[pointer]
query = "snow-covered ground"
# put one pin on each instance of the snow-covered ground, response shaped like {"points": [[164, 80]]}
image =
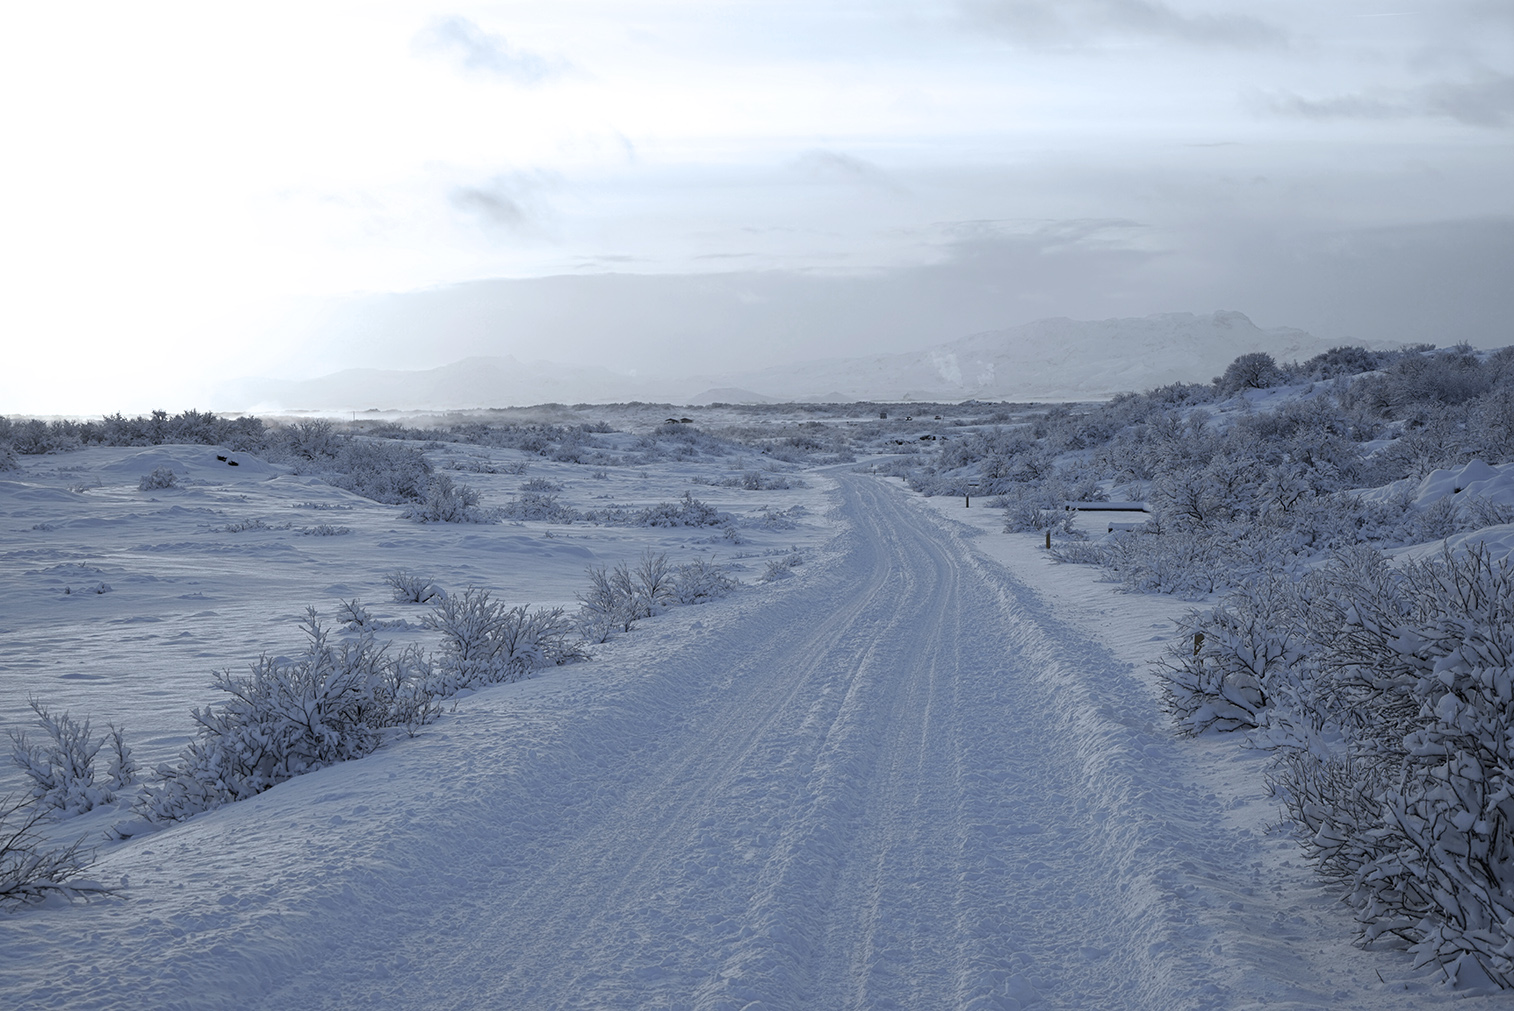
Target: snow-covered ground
{"points": [[928, 771], [215, 572]]}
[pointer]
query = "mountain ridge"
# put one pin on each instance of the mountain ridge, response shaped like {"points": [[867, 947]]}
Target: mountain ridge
{"points": [[1057, 358]]}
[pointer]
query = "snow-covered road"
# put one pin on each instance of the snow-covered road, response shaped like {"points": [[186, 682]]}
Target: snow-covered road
{"points": [[897, 781]]}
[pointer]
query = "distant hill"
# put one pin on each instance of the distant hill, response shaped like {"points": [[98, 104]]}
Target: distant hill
{"points": [[491, 381], [1050, 359]]}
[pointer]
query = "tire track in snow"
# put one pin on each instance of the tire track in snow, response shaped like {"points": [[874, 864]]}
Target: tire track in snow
{"points": [[898, 783], [886, 808]]}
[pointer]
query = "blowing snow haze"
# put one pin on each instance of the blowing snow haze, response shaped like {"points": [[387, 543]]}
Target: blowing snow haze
{"points": [[193, 195]]}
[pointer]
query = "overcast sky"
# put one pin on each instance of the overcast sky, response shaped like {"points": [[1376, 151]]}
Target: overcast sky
{"points": [[191, 191]]}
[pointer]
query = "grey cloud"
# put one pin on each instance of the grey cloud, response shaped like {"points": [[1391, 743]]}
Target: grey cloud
{"points": [[1442, 282], [507, 203], [965, 239], [477, 52], [491, 206], [1083, 22], [1485, 100], [820, 163], [1340, 107]]}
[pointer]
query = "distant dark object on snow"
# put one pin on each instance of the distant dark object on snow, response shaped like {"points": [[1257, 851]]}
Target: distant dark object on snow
{"points": [[1122, 507]]}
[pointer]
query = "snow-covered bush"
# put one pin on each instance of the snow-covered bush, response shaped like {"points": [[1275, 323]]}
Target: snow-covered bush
{"points": [[1389, 694], [161, 477], [310, 439], [409, 588], [8, 460], [62, 768], [652, 583], [383, 471], [354, 615], [1036, 507], [34, 437], [288, 717], [688, 512], [697, 581], [448, 501], [1154, 561], [1436, 659], [539, 505], [756, 480], [122, 772], [619, 597], [485, 642], [30, 871], [779, 519], [1232, 660], [782, 568], [1255, 370]]}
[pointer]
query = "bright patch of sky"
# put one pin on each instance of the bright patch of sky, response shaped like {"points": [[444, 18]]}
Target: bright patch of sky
{"points": [[176, 174]]}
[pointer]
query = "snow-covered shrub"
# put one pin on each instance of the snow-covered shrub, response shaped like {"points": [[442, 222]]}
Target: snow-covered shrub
{"points": [[1438, 520], [288, 717], [1255, 370], [1195, 499], [1484, 512], [697, 581], [539, 505], [655, 582], [62, 768], [609, 604], [1341, 361], [354, 615], [409, 588], [161, 477], [324, 530], [1398, 765], [1028, 508], [34, 437], [30, 871], [1448, 377], [485, 642], [1443, 869], [382, 471], [1177, 562], [122, 773], [780, 519], [782, 568], [1232, 660], [8, 459], [255, 523], [688, 512], [310, 439], [756, 480], [448, 501], [541, 486], [1080, 553]]}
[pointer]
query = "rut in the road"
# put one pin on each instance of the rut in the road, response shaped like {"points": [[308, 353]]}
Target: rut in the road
{"points": [[877, 795]]}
